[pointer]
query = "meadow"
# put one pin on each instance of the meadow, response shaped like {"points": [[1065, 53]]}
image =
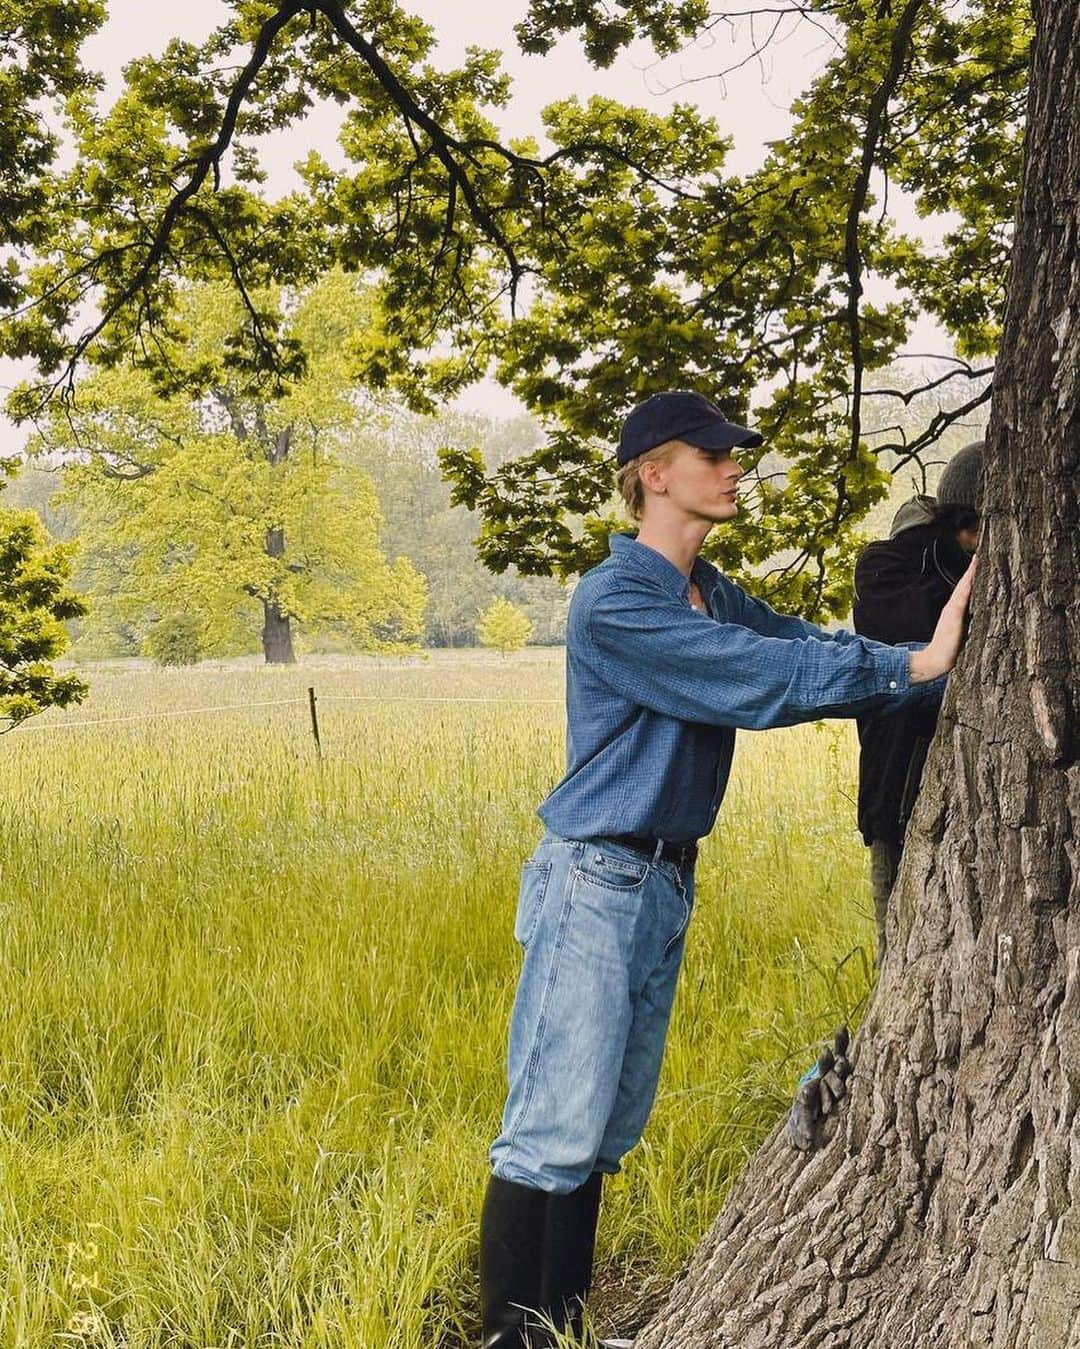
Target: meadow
{"points": [[255, 1001]]}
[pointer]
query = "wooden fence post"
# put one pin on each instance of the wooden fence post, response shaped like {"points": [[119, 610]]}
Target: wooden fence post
{"points": [[314, 720]]}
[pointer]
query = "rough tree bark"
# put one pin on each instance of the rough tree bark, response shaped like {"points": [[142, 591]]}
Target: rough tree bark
{"points": [[945, 1207], [277, 639]]}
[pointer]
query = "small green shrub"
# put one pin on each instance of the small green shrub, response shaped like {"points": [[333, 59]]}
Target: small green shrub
{"points": [[175, 639]]}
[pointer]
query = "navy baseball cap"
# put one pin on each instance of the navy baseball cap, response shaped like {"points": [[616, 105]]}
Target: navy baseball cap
{"points": [[679, 414]]}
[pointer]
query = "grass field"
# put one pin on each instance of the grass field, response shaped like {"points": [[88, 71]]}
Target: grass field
{"points": [[252, 1038]]}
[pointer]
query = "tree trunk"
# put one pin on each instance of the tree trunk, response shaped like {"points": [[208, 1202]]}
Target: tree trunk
{"points": [[277, 627], [277, 636], [944, 1209]]}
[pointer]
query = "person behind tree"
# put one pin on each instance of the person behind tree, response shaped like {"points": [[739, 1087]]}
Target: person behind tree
{"points": [[666, 658], [902, 583]]}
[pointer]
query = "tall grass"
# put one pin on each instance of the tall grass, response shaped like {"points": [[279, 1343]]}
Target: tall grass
{"points": [[253, 1036]]}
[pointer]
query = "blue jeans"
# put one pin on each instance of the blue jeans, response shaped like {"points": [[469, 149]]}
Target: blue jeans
{"points": [[602, 928]]}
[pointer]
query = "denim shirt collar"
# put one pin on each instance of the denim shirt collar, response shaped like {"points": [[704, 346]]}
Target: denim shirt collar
{"points": [[646, 561]]}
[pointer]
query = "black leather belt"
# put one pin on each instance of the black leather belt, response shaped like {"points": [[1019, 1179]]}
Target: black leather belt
{"points": [[682, 854]]}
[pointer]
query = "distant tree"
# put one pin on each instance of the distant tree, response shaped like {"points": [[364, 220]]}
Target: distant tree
{"points": [[36, 487], [236, 500], [503, 627], [398, 451]]}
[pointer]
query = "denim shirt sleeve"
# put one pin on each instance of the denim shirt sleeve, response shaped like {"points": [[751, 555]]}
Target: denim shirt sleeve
{"points": [[764, 619], [667, 656]]}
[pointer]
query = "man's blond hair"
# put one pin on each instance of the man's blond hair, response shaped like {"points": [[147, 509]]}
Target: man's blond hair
{"points": [[628, 478]]}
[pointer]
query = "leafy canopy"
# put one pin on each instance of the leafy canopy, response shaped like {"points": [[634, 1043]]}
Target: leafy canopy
{"points": [[219, 504], [754, 290], [35, 602], [649, 264]]}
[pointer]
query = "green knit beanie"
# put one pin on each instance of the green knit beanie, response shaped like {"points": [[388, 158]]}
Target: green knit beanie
{"points": [[961, 483]]}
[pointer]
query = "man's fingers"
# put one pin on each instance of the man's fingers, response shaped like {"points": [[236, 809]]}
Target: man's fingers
{"points": [[962, 590]]}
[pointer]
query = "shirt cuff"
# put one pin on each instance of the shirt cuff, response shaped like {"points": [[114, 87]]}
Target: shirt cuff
{"points": [[895, 670]]}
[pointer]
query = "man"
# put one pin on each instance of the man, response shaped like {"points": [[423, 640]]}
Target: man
{"points": [[901, 586], [666, 658]]}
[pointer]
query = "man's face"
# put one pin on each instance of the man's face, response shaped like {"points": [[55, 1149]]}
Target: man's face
{"points": [[702, 483]]}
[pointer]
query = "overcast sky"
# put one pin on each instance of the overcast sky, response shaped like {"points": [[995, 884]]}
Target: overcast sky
{"points": [[750, 104]]}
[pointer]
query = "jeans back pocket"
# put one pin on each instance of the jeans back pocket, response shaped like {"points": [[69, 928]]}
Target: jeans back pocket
{"points": [[531, 891]]}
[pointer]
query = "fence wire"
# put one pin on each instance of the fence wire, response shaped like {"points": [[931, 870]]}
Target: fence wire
{"points": [[279, 702]]}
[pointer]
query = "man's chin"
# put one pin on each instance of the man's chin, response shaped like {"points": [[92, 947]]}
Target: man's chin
{"points": [[717, 515]]}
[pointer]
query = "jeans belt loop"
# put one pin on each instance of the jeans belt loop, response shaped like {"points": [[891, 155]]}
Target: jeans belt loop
{"points": [[658, 850]]}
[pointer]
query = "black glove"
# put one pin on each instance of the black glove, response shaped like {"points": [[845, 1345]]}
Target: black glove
{"points": [[820, 1093]]}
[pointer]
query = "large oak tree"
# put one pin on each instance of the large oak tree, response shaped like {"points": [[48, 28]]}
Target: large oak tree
{"points": [[238, 503], [945, 1207]]}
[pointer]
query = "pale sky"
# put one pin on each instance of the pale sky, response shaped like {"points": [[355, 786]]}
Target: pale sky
{"points": [[750, 104]]}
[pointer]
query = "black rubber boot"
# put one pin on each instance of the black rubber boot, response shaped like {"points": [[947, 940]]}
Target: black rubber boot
{"points": [[569, 1239], [512, 1225]]}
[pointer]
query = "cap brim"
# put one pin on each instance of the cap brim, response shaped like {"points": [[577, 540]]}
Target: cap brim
{"points": [[721, 435]]}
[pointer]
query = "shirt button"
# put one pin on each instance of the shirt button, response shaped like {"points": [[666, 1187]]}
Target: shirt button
{"points": [[892, 683]]}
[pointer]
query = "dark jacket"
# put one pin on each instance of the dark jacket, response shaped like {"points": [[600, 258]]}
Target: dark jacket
{"points": [[901, 586]]}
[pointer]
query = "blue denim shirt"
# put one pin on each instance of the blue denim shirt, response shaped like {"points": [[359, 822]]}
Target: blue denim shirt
{"points": [[655, 690]]}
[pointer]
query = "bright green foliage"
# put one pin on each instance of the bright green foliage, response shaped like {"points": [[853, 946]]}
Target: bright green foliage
{"points": [[150, 205], [750, 290], [503, 627], [39, 63], [649, 264], [605, 28], [34, 603], [236, 505], [175, 639]]}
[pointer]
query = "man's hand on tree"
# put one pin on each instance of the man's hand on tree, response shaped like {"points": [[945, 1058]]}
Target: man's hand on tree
{"points": [[820, 1093], [939, 655]]}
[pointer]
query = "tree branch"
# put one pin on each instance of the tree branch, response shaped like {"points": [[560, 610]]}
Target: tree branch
{"points": [[203, 163], [909, 395], [875, 125], [938, 425]]}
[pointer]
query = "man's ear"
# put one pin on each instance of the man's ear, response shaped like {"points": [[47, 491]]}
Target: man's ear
{"points": [[652, 476]]}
